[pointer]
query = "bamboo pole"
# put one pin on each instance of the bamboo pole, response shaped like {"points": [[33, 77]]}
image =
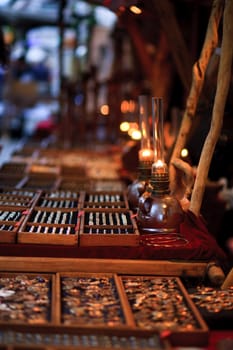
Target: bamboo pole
{"points": [[199, 69], [223, 83]]}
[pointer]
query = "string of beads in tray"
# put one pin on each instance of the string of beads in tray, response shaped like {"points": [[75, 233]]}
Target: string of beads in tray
{"points": [[18, 192], [14, 201], [46, 221], [61, 194], [114, 222], [104, 201], [58, 203], [10, 215]]}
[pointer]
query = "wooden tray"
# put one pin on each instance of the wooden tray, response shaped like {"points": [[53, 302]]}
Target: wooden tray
{"points": [[14, 168], [16, 198], [39, 227], [99, 303], [108, 185], [10, 226], [41, 182], [104, 199], [57, 200], [29, 298], [11, 180], [73, 183], [60, 338], [108, 227]]}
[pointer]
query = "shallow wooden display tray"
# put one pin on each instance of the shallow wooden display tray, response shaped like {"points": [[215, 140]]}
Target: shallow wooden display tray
{"points": [[10, 225], [52, 337], [29, 298], [58, 200], [107, 185], [14, 168], [108, 227], [75, 183], [73, 170], [104, 199], [47, 229], [12, 180], [43, 169], [16, 198], [40, 182], [100, 294]]}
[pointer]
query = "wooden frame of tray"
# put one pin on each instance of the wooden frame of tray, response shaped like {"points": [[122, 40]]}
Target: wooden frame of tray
{"points": [[51, 294], [49, 233], [107, 204], [53, 197], [193, 337], [10, 235], [108, 234], [14, 198]]}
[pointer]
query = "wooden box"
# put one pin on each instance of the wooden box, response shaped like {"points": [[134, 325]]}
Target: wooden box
{"points": [[100, 304], [148, 303], [104, 199], [41, 182], [29, 298], [14, 168], [59, 199], [162, 303], [108, 227], [50, 226], [37, 337], [43, 169], [16, 198], [11, 180], [10, 222], [73, 183], [73, 170], [108, 185]]}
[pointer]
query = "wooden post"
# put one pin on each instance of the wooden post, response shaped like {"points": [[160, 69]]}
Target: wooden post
{"points": [[159, 69], [223, 83], [178, 48], [199, 68]]}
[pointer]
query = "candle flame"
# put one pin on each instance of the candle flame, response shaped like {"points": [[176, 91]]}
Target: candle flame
{"points": [[146, 154], [159, 167]]}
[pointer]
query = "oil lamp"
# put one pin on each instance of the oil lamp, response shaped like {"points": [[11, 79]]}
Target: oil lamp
{"points": [[145, 155], [158, 211]]}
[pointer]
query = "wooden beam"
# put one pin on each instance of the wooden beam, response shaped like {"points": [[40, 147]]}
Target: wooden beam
{"points": [[120, 266], [179, 51]]}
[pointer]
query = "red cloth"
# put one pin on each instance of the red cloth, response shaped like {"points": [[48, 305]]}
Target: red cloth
{"points": [[203, 243], [201, 246], [217, 339]]}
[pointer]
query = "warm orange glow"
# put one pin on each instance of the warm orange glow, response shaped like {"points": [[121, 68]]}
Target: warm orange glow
{"points": [[132, 106], [159, 167], [135, 9], [124, 127], [146, 154], [135, 134], [184, 153], [104, 110], [128, 106], [124, 106]]}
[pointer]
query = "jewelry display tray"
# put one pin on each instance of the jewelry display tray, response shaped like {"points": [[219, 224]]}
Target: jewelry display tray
{"points": [[60, 217], [93, 305]]}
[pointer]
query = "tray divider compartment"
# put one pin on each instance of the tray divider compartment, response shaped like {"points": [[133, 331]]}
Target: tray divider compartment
{"points": [[124, 302]]}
